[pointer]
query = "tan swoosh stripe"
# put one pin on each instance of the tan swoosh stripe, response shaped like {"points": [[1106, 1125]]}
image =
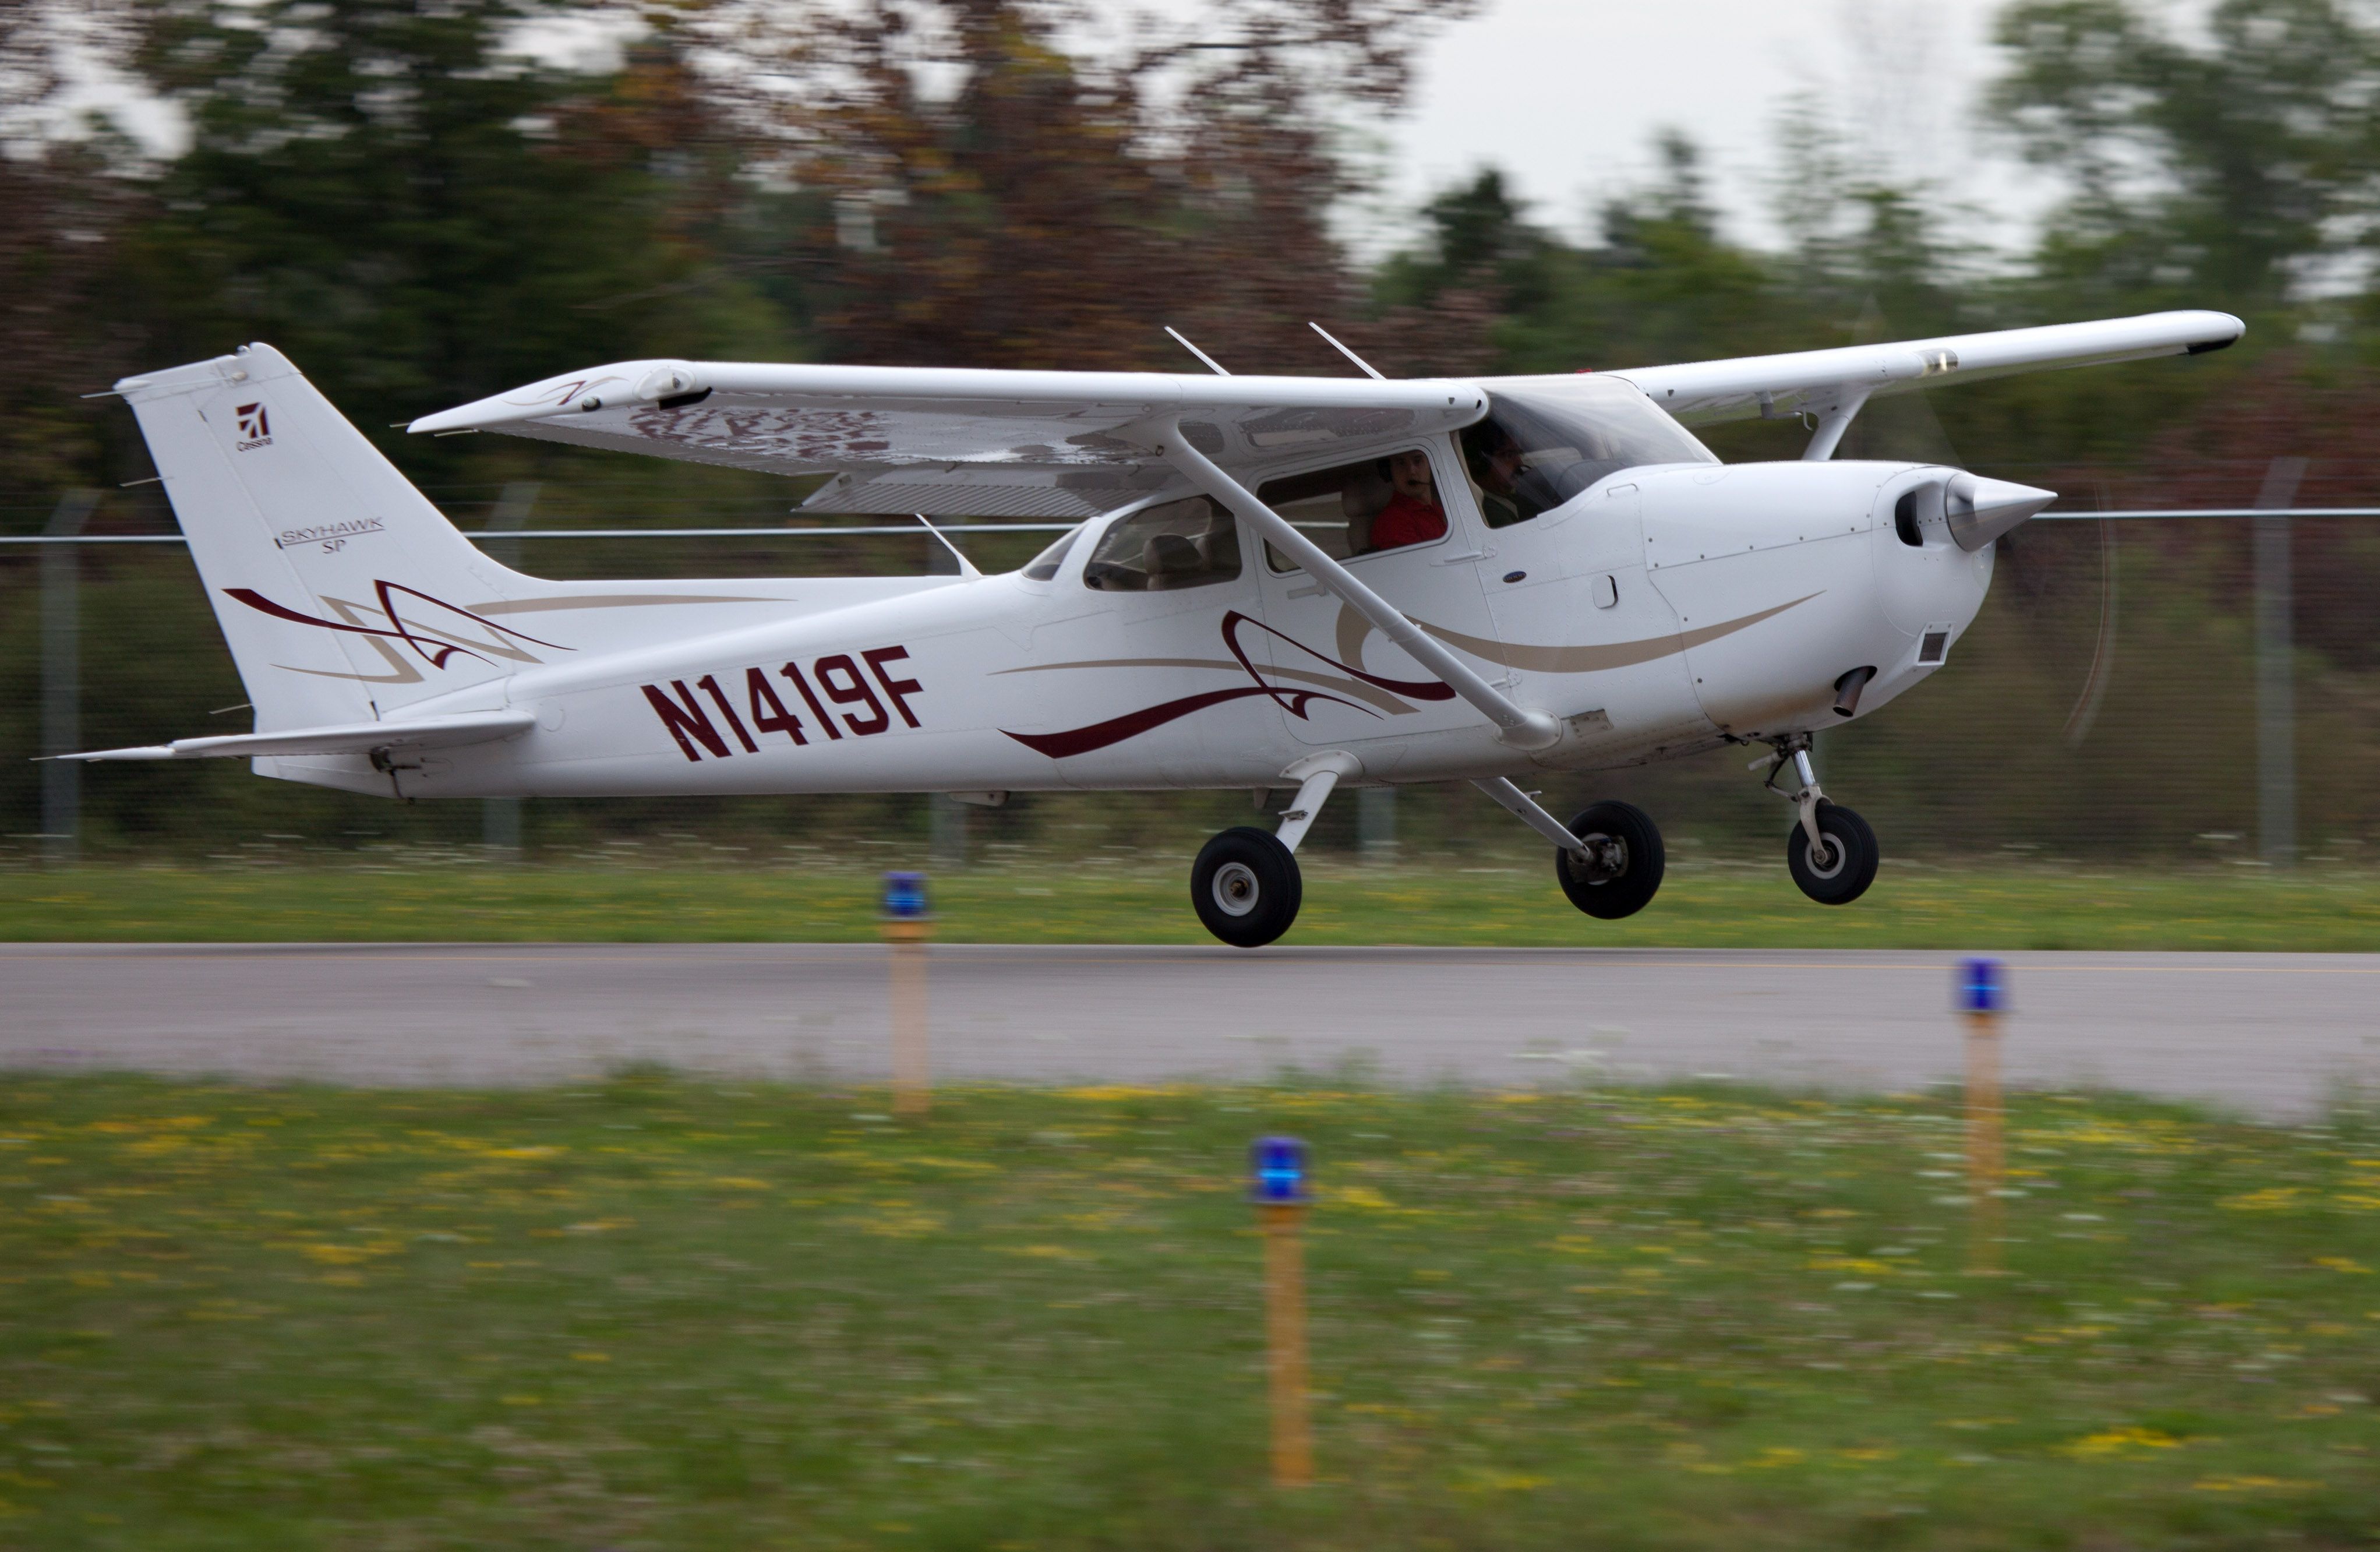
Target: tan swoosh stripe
{"points": [[1617, 654], [1370, 694], [611, 600]]}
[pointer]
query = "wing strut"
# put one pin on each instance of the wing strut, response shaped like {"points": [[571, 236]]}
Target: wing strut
{"points": [[1833, 423], [1520, 727]]}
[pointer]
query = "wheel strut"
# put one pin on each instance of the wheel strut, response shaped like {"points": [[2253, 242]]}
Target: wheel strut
{"points": [[1795, 751]]}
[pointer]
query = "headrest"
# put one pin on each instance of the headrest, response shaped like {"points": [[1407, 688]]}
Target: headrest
{"points": [[1365, 495], [1168, 554]]}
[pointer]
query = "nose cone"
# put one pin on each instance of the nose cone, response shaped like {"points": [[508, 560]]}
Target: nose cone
{"points": [[1980, 509]]}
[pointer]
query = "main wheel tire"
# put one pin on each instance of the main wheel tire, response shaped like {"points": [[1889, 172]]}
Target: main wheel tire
{"points": [[1629, 862], [1844, 875], [1246, 887]]}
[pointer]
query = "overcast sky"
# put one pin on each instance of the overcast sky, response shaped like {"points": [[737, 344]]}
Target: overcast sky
{"points": [[1566, 95]]}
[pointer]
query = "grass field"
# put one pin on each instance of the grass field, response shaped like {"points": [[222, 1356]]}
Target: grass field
{"points": [[656, 1313], [1102, 900]]}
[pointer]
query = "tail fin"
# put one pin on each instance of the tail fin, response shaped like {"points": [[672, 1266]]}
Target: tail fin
{"points": [[342, 591]]}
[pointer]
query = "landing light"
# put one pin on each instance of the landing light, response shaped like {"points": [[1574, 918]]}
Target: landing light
{"points": [[1982, 987], [904, 896], [1277, 1171]]}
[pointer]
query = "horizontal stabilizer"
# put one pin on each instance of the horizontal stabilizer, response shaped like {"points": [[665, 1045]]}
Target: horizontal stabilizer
{"points": [[424, 732]]}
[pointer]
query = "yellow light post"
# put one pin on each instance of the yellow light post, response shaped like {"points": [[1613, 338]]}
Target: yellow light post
{"points": [[1983, 996], [1278, 1188], [908, 925]]}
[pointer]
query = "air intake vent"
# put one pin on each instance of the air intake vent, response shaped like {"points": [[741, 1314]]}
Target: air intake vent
{"points": [[1933, 649], [1904, 519]]}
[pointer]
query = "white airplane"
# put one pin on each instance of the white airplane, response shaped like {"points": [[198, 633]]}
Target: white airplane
{"points": [[1278, 583]]}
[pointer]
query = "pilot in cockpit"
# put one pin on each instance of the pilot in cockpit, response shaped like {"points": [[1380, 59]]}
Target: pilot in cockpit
{"points": [[1413, 514], [1495, 458]]}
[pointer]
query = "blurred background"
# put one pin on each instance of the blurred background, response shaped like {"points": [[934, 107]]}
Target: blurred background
{"points": [[424, 204]]}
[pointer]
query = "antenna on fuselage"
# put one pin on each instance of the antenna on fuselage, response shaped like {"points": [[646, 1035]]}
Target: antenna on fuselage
{"points": [[1212, 364], [1376, 376], [966, 567]]}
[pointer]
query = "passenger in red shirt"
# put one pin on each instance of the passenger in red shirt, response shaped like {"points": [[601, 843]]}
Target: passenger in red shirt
{"points": [[1413, 514]]}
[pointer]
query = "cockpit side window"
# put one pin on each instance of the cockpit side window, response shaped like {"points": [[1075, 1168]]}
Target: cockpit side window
{"points": [[1541, 445], [1186, 543], [1361, 508]]}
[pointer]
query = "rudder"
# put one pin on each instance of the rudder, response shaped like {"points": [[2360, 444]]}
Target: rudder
{"points": [[342, 591]]}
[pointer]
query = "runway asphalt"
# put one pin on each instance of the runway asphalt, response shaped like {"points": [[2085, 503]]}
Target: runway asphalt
{"points": [[2274, 1035]]}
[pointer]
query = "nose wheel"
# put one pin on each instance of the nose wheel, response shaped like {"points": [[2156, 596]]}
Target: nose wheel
{"points": [[1830, 851], [1836, 869]]}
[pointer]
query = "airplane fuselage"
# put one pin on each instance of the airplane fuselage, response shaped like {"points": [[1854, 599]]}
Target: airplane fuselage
{"points": [[1660, 611]]}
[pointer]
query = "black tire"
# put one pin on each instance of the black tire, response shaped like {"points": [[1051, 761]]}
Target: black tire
{"points": [[1627, 838], [1844, 877], [1246, 887]]}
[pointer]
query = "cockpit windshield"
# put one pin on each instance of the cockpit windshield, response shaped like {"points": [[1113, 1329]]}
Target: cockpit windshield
{"points": [[1542, 445]]}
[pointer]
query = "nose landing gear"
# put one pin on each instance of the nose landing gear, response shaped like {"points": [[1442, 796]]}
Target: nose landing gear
{"points": [[1830, 851]]}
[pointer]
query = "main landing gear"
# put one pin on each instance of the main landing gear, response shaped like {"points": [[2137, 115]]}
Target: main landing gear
{"points": [[1618, 865], [1830, 851], [1245, 886]]}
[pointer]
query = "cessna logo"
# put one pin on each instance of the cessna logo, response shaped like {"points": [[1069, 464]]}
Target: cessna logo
{"points": [[255, 431]]}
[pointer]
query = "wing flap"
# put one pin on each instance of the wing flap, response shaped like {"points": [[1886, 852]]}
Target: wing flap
{"points": [[423, 733]]}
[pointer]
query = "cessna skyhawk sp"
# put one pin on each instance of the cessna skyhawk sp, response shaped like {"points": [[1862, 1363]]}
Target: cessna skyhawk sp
{"points": [[1277, 583]]}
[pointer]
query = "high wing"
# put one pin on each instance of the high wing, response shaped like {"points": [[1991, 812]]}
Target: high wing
{"points": [[1769, 386], [947, 441]]}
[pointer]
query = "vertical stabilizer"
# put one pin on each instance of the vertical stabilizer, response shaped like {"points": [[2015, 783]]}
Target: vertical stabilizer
{"points": [[342, 591]]}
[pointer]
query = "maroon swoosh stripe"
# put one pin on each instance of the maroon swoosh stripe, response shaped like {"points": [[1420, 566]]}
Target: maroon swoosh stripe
{"points": [[1115, 729], [387, 591]]}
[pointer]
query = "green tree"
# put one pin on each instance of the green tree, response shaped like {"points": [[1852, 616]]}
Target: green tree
{"points": [[2208, 171], [978, 192], [418, 208]]}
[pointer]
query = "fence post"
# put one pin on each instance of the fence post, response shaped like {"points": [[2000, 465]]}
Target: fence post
{"points": [[1376, 823], [2276, 723], [946, 817], [500, 817], [62, 679]]}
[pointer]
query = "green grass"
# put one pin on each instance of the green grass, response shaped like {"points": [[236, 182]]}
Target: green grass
{"points": [[656, 1313], [1911, 905]]}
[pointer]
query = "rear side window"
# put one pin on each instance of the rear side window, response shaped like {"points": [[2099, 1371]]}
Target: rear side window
{"points": [[1361, 508], [1044, 566], [1186, 543]]}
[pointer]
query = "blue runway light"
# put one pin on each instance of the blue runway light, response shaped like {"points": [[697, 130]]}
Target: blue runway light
{"points": [[904, 895], [1982, 987], [1277, 1171]]}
